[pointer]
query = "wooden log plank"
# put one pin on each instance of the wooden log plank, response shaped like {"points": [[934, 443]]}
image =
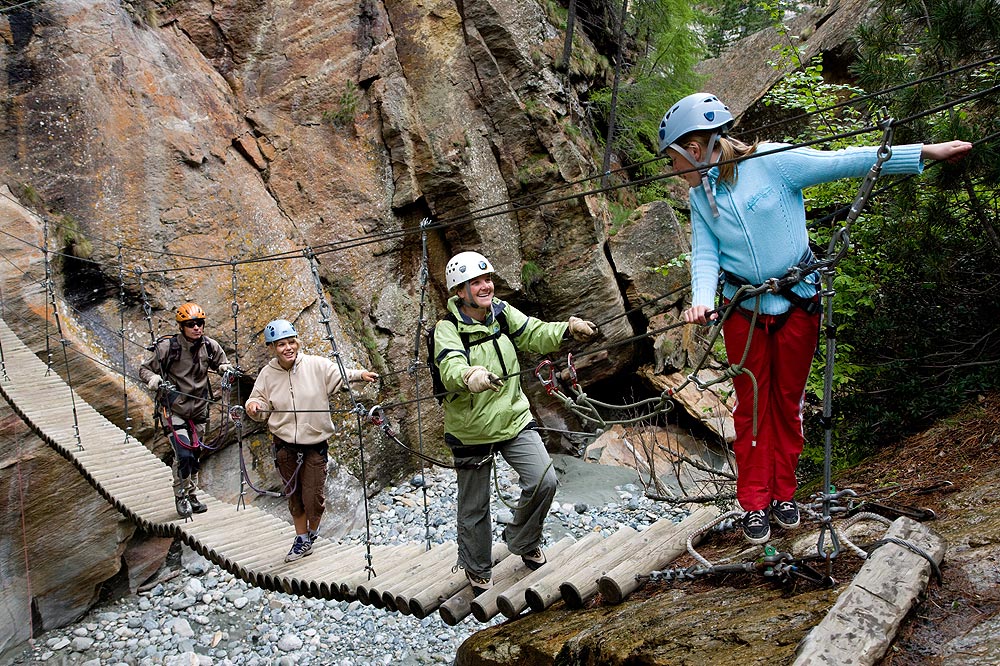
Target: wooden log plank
{"points": [[426, 601], [621, 581], [862, 623], [508, 571], [400, 578], [547, 591], [512, 600]]}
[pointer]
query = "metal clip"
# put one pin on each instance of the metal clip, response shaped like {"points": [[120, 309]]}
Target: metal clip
{"points": [[571, 372], [550, 383]]}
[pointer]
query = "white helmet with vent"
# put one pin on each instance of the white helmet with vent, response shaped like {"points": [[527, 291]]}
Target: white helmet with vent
{"points": [[465, 266]]}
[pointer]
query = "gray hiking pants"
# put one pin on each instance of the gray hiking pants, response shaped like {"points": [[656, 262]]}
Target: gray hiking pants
{"points": [[526, 454]]}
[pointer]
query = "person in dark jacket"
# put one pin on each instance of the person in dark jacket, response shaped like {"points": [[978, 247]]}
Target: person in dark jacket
{"points": [[183, 360]]}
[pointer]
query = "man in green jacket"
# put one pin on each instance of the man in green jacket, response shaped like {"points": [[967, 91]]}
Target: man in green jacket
{"points": [[486, 411]]}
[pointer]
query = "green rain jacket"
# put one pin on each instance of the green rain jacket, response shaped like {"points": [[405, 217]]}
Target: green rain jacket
{"points": [[489, 417]]}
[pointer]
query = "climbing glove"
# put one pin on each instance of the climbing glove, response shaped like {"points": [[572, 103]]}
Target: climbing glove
{"points": [[224, 368], [478, 379], [582, 330], [154, 382]]}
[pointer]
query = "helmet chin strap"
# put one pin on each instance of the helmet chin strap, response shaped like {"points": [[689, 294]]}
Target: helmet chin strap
{"points": [[703, 167]]}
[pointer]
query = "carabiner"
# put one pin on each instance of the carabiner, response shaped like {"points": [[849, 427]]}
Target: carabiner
{"points": [[571, 372], [550, 383], [376, 415]]}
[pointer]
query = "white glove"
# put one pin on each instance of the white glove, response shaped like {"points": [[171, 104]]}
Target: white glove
{"points": [[154, 382], [581, 329], [224, 368], [478, 379]]}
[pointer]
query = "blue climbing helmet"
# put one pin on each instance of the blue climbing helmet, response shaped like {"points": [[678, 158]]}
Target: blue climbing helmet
{"points": [[700, 111], [279, 329]]}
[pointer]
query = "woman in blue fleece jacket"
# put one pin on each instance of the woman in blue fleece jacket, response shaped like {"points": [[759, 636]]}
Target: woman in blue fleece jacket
{"points": [[748, 220]]}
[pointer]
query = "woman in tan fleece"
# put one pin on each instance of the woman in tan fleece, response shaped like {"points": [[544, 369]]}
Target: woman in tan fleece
{"points": [[292, 395]]}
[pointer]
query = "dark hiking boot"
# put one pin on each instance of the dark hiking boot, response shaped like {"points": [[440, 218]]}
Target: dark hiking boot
{"points": [[786, 514], [183, 506], [755, 526], [478, 583], [196, 505], [534, 559], [301, 547]]}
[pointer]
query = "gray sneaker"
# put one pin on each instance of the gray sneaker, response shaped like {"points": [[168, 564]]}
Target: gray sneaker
{"points": [[301, 547]]}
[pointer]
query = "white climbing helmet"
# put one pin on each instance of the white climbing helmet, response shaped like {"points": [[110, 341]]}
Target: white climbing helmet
{"points": [[700, 111], [465, 266], [279, 329]]}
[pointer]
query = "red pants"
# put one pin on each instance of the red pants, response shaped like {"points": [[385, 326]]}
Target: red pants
{"points": [[779, 358]]}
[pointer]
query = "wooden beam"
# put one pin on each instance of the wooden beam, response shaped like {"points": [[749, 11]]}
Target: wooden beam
{"points": [[865, 618]]}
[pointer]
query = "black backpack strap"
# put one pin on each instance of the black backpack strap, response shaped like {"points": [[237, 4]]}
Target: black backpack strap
{"points": [[173, 353]]}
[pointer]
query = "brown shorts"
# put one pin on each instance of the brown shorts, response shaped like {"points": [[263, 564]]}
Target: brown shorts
{"points": [[306, 491]]}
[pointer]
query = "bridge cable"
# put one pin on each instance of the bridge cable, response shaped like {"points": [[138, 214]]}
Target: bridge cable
{"points": [[421, 323], [51, 292], [359, 410], [121, 332]]}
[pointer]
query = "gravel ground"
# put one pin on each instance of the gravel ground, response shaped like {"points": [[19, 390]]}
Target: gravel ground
{"points": [[202, 615]]}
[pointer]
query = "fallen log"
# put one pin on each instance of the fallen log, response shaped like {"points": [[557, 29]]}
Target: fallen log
{"points": [[862, 623]]}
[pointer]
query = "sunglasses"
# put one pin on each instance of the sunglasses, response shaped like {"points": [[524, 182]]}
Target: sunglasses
{"points": [[191, 323]]}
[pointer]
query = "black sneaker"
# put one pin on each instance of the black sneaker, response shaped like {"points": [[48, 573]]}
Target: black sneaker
{"points": [[755, 526], [786, 514], [534, 560], [478, 583], [301, 547], [196, 505]]}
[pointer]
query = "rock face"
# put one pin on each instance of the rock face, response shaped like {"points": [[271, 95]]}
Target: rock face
{"points": [[44, 586]]}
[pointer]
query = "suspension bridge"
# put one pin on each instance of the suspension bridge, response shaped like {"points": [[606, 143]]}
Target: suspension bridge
{"points": [[251, 544]]}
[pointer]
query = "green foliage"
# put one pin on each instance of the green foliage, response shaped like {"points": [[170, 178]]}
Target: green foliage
{"points": [[930, 249], [537, 169], [532, 276], [654, 191], [345, 106], [679, 261], [913, 296], [725, 21], [619, 216], [30, 194], [909, 302], [659, 72], [340, 287], [74, 241]]}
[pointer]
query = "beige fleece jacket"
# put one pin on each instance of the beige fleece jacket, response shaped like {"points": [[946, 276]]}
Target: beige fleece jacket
{"points": [[296, 402]]}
